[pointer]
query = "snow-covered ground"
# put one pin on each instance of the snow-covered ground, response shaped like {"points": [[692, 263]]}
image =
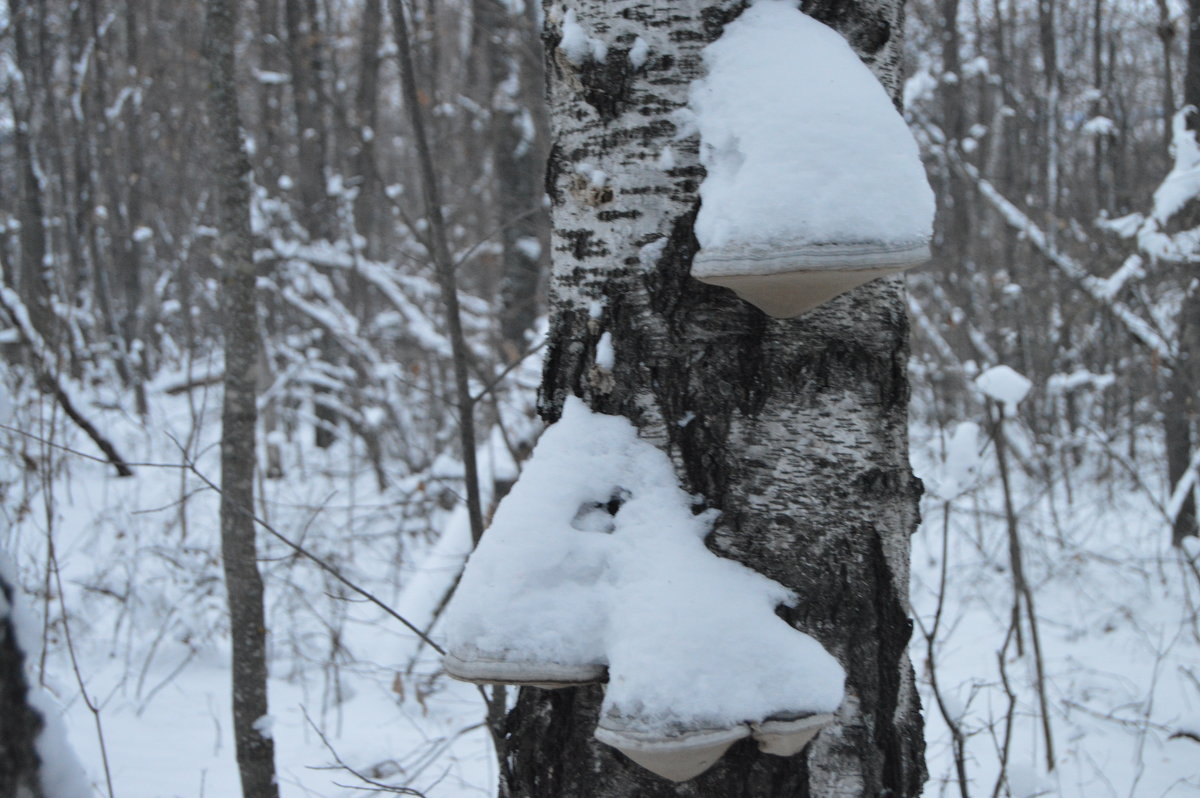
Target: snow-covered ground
{"points": [[1117, 613]]}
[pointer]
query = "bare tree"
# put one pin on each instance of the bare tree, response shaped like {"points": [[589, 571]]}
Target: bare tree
{"points": [[243, 583]]}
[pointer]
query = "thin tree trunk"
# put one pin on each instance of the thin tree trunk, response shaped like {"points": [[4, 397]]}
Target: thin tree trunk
{"points": [[133, 245], [243, 583], [366, 106], [316, 212], [795, 430], [1166, 35], [270, 93], [1179, 413], [439, 248], [32, 282], [1047, 13]]}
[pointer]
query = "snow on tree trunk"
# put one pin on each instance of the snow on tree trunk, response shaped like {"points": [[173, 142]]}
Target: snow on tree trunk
{"points": [[795, 430]]}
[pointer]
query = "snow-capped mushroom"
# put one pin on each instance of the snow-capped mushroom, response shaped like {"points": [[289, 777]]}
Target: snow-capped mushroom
{"points": [[677, 757], [814, 184], [531, 607], [788, 736]]}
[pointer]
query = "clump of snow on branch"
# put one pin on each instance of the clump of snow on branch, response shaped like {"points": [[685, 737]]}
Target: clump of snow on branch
{"points": [[801, 142], [639, 53], [1004, 385], [1099, 126]]}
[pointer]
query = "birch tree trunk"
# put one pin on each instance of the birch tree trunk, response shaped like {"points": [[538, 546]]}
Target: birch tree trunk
{"points": [[243, 583], [20, 724], [795, 430]]}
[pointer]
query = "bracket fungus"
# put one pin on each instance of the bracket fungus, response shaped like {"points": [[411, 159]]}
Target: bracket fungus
{"points": [[814, 183], [532, 603], [595, 568]]}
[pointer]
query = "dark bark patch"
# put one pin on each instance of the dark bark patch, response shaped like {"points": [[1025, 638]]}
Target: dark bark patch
{"points": [[606, 83], [613, 215], [715, 18], [555, 166], [20, 724], [582, 244]]}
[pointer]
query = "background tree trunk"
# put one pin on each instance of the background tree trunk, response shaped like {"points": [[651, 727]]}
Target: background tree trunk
{"points": [[517, 150], [795, 430], [243, 583], [1179, 407]]}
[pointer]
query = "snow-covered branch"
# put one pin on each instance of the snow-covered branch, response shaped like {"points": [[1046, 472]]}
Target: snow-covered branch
{"points": [[1093, 286]]}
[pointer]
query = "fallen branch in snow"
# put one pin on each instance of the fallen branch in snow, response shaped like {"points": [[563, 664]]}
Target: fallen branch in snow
{"points": [[12, 305]]}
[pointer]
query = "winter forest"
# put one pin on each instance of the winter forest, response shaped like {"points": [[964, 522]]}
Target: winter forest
{"points": [[376, 415]]}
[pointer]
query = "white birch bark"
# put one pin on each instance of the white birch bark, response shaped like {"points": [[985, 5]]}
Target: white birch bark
{"points": [[795, 430]]}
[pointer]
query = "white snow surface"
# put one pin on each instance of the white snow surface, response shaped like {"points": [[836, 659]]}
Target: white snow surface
{"points": [[1005, 385], [802, 144], [605, 356], [960, 470], [691, 639]]}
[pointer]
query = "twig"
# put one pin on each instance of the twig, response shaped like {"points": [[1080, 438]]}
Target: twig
{"points": [[1002, 776], [377, 785], [958, 742], [87, 699], [1021, 589], [324, 566], [188, 465]]}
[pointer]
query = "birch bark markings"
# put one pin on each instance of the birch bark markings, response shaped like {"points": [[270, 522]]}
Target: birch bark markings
{"points": [[20, 724], [243, 583], [795, 430]]}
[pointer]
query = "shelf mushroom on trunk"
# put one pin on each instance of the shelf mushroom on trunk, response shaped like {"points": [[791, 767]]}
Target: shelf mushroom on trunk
{"points": [[815, 184], [595, 570]]}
